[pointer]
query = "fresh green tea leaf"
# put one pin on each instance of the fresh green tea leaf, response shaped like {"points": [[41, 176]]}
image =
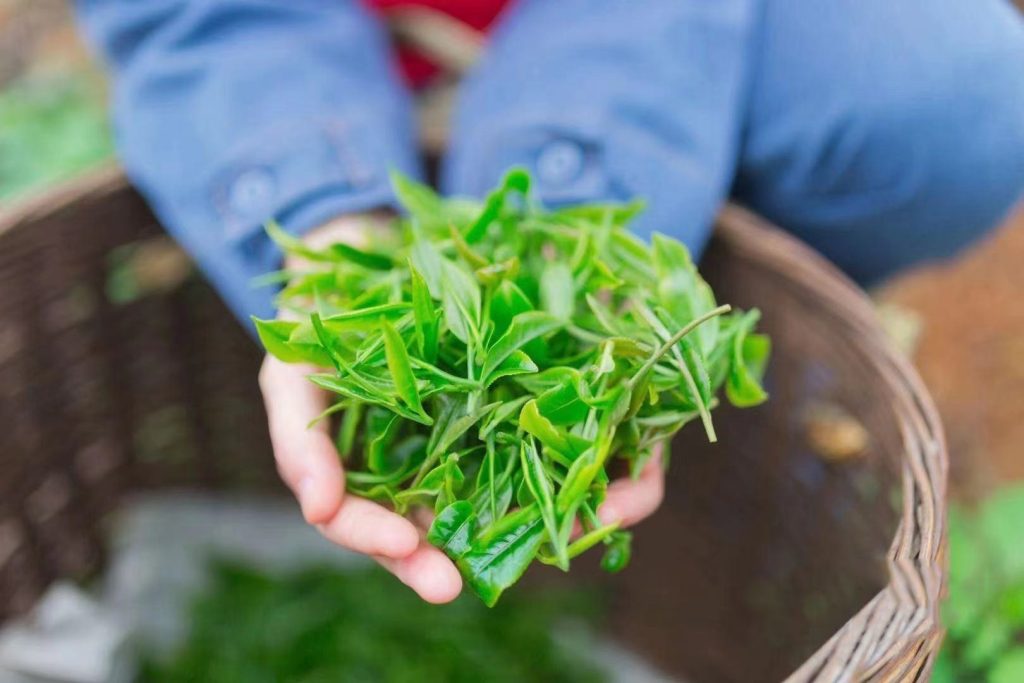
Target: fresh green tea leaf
{"points": [[516, 364], [425, 315], [538, 482], [290, 244], [501, 414], [453, 529], [557, 290], [531, 421], [591, 539], [470, 378], [681, 290], [275, 335], [461, 300], [381, 428], [524, 328], [562, 404], [401, 371], [366, 259], [750, 356], [427, 260], [501, 554], [507, 302], [516, 180], [419, 200], [618, 553]]}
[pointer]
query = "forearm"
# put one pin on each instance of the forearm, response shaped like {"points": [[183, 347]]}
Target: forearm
{"points": [[233, 112], [612, 100]]}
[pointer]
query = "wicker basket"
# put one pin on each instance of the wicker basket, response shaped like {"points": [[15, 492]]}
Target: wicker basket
{"points": [[120, 370]]}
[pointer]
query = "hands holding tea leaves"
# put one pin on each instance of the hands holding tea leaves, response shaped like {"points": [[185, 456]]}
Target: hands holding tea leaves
{"points": [[309, 464], [489, 361]]}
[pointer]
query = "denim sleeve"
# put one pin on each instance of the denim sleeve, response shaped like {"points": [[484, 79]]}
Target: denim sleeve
{"points": [[886, 133], [612, 99], [883, 133], [230, 112]]}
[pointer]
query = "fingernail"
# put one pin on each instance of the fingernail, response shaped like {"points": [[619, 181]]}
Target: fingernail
{"points": [[305, 490], [608, 514]]}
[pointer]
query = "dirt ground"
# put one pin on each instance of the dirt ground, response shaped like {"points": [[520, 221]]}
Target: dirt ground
{"points": [[971, 353]]}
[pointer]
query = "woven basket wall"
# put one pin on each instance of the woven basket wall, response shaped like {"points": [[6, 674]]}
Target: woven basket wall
{"points": [[120, 370]]}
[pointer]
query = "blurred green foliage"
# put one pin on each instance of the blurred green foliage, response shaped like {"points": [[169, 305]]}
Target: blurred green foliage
{"points": [[325, 624], [50, 129], [984, 612]]}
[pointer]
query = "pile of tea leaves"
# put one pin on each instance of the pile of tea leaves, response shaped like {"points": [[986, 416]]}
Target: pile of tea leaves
{"points": [[492, 360], [325, 624]]}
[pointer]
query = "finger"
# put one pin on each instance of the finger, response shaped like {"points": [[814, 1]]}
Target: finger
{"points": [[429, 572], [365, 527], [422, 517], [628, 501], [306, 457]]}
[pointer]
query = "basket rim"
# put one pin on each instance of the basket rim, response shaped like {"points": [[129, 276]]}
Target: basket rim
{"points": [[895, 636], [103, 179]]}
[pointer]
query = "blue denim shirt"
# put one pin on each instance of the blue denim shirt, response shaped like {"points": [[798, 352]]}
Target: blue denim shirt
{"points": [[881, 132]]}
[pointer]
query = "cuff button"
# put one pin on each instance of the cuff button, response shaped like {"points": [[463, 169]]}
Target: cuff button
{"points": [[559, 163], [250, 195]]}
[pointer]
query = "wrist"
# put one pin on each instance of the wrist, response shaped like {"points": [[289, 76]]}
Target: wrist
{"points": [[350, 229]]}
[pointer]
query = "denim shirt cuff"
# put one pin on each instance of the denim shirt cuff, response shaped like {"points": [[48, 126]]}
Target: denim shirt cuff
{"points": [[305, 172]]}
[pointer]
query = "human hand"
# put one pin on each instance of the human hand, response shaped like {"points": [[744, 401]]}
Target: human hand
{"points": [[308, 462]]}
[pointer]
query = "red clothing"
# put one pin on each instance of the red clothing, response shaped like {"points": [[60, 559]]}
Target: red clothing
{"points": [[479, 14]]}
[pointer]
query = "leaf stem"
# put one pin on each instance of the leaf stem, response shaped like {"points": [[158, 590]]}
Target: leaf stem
{"points": [[673, 340], [473, 396]]}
